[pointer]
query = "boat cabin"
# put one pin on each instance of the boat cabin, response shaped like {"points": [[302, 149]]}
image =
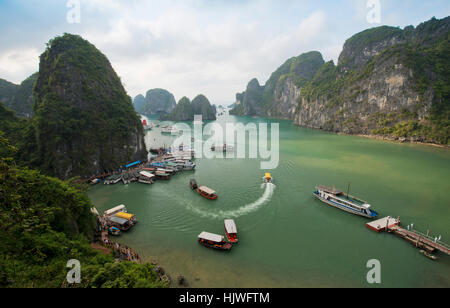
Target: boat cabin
{"points": [[213, 241], [231, 230], [115, 210], [120, 223], [127, 216]]}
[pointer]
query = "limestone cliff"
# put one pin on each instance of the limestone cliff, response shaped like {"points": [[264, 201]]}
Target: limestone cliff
{"points": [[85, 122], [156, 101]]}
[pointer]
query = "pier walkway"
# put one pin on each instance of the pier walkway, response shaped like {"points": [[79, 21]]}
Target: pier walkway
{"points": [[421, 239]]}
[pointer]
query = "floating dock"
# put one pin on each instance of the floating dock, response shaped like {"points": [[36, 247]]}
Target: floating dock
{"points": [[383, 224], [420, 240]]}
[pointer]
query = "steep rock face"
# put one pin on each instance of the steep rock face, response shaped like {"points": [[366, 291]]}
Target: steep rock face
{"points": [[250, 101], [279, 96], [182, 112], [85, 121], [202, 106], [389, 82], [23, 100], [156, 101], [7, 91]]}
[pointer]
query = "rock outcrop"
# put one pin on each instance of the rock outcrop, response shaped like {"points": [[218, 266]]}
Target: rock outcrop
{"points": [[84, 120], [156, 102], [185, 110]]}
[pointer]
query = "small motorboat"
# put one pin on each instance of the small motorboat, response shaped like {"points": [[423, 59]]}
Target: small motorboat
{"points": [[214, 241], [268, 178], [231, 231], [207, 193], [428, 255]]}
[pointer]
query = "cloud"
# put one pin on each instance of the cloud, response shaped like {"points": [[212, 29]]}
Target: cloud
{"points": [[17, 63]]}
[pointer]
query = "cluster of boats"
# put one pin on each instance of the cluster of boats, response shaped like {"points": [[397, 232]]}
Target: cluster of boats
{"points": [[218, 242], [119, 220]]}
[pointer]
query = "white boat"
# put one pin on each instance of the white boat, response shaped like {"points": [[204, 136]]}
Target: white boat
{"points": [[170, 130], [115, 210], [338, 199]]}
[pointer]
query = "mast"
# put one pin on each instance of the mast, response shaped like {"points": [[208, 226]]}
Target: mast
{"points": [[348, 190]]}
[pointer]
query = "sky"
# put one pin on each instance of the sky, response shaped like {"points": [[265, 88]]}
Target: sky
{"points": [[191, 47]]}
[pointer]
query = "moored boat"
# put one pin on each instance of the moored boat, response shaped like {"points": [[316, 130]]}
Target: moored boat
{"points": [[207, 193], [128, 216], [146, 177], [120, 223], [214, 241], [343, 201], [428, 255], [231, 231]]}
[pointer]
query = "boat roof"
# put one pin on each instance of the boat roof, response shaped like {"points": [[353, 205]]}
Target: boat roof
{"points": [[120, 221], [147, 174], [327, 189], [268, 175], [211, 237], [207, 190], [230, 226], [118, 208]]}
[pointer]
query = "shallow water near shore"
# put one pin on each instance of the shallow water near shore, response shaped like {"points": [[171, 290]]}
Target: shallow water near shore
{"points": [[288, 238]]}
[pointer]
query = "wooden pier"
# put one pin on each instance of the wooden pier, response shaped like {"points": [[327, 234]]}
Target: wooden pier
{"points": [[416, 238]]}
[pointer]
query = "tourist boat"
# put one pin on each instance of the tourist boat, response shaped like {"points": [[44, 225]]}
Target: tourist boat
{"points": [[343, 201], [189, 166], [146, 177], [170, 130], [231, 231], [267, 178], [128, 216], [113, 179], [115, 210], [161, 175], [146, 125], [207, 193], [214, 241], [224, 148], [120, 223], [428, 255]]}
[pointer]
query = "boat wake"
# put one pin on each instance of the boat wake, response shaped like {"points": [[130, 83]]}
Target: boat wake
{"points": [[244, 210]]}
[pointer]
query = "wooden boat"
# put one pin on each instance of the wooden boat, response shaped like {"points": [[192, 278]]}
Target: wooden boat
{"points": [[193, 184], [225, 148], [160, 175], [128, 216], [146, 177], [343, 201], [214, 241], [120, 223], [231, 231], [207, 193], [267, 178], [429, 255]]}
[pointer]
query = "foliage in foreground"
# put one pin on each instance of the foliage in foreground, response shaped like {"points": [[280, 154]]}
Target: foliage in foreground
{"points": [[44, 223]]}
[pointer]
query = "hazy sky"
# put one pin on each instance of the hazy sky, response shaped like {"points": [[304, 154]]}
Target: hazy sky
{"points": [[190, 47]]}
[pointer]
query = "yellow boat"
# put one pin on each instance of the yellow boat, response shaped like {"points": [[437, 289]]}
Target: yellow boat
{"points": [[268, 178], [127, 216]]}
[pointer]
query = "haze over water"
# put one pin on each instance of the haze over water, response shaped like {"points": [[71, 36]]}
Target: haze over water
{"points": [[287, 237]]}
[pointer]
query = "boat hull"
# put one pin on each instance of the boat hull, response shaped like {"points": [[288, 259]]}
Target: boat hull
{"points": [[224, 247], [207, 196], [341, 207]]}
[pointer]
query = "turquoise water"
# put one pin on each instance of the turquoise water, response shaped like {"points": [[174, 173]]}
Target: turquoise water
{"points": [[288, 238]]}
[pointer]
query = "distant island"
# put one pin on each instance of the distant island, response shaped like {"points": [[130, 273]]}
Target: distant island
{"points": [[388, 82]]}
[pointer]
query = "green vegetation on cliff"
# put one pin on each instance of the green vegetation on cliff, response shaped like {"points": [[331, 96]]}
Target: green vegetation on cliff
{"points": [[47, 222], [156, 101], [7, 91], [185, 110], [84, 120]]}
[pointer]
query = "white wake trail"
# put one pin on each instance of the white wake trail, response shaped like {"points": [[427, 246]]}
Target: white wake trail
{"points": [[244, 210]]}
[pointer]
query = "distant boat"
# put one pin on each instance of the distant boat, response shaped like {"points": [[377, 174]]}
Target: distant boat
{"points": [[170, 130], [231, 231], [428, 255], [214, 241], [343, 201], [224, 148], [267, 178]]}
